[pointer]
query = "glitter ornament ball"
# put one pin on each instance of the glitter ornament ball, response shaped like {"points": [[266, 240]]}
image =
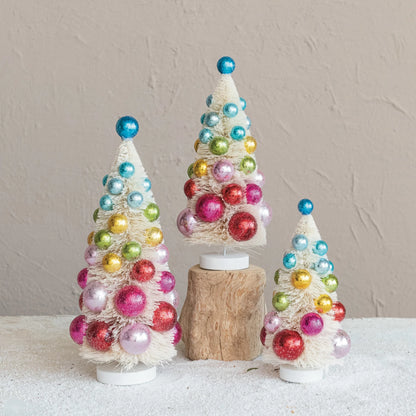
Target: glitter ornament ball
{"points": [[209, 208], [118, 223], [330, 282], [265, 214], [126, 170], [280, 301], [115, 186], [177, 333], [90, 254], [151, 212], [342, 344], [247, 165], [82, 278], [276, 276], [173, 298], [288, 345], [202, 119], [135, 338], [95, 215], [331, 266], [230, 110], [311, 324], [167, 282], [305, 206], [130, 301], [272, 322], [196, 145], [322, 266], [243, 103], [111, 263], [106, 203], [164, 317], [162, 254], [190, 170], [263, 334], [134, 199], [77, 329], [242, 226], [253, 194], [248, 123], [211, 119], [190, 188], [143, 271], [232, 194], [127, 127], [289, 260], [94, 296], [154, 236], [339, 311], [205, 135], [186, 222], [90, 238], [226, 65], [299, 242], [105, 179], [200, 168], [131, 250], [259, 178], [250, 144], [218, 146], [147, 184], [208, 101], [320, 248], [238, 133], [223, 171], [99, 336], [323, 304], [102, 239], [301, 279]]}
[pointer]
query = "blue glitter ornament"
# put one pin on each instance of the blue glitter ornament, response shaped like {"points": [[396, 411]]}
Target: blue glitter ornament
{"points": [[299, 242], [205, 135], [322, 266], [127, 127], [289, 260], [105, 180], [230, 110], [134, 199], [321, 248], [248, 123], [211, 119], [243, 103], [305, 206], [226, 65], [106, 203], [238, 133], [202, 118], [147, 185], [115, 186], [331, 266], [209, 100], [126, 170]]}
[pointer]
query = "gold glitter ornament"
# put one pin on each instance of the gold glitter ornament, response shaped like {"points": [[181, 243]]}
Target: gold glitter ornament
{"points": [[196, 145], [90, 237], [200, 168], [154, 236], [111, 262], [250, 144], [301, 279], [323, 304], [118, 223]]}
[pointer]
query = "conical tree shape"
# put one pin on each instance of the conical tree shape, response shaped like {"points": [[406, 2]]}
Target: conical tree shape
{"points": [[225, 199], [304, 329], [128, 303]]}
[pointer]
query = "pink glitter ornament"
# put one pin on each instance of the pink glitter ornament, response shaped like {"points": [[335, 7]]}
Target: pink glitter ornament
{"points": [[209, 208], [272, 322], [90, 254], [167, 282], [259, 178], [186, 222], [263, 334], [135, 338], [130, 301], [342, 344], [253, 194], [311, 324], [173, 298], [162, 253], [223, 170], [95, 296], [265, 214], [82, 278], [177, 333], [77, 329]]}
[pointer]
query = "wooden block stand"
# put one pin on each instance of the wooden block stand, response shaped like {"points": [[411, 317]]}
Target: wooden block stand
{"points": [[223, 314]]}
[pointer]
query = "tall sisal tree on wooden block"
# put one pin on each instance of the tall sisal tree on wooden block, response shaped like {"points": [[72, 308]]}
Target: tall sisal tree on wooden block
{"points": [[225, 208]]}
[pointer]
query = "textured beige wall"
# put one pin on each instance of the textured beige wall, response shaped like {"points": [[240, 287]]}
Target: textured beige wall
{"points": [[331, 92]]}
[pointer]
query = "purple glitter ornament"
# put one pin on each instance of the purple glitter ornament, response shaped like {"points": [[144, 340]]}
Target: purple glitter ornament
{"points": [[95, 296], [272, 322], [223, 170], [186, 222], [265, 214], [162, 253], [342, 344], [135, 338], [167, 282], [90, 254]]}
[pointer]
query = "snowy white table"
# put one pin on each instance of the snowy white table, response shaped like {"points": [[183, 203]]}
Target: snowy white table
{"points": [[42, 374]]}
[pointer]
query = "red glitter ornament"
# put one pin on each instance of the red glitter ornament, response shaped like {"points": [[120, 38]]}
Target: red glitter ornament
{"points": [[143, 271], [209, 208], [339, 311], [242, 226], [190, 188], [99, 336], [263, 336], [288, 345], [164, 317], [233, 194], [81, 301]]}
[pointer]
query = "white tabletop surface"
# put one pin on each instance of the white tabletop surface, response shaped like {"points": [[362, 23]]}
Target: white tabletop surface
{"points": [[42, 374]]}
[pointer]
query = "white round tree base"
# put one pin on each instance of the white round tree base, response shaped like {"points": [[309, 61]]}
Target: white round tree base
{"points": [[300, 375], [229, 261], [113, 374]]}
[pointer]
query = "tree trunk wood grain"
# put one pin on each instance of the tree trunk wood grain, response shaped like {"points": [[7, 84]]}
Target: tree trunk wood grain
{"points": [[223, 314]]}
